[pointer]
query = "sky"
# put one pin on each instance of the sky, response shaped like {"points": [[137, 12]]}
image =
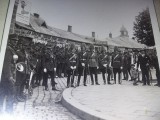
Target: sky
{"points": [[87, 16]]}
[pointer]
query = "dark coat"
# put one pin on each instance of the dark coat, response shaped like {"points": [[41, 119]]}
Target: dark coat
{"points": [[8, 65], [144, 62], [70, 60], [49, 62], [117, 61], [103, 59], [82, 58], [6, 85]]}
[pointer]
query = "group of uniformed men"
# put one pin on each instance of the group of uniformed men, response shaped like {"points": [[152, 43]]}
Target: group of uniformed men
{"points": [[51, 61]]}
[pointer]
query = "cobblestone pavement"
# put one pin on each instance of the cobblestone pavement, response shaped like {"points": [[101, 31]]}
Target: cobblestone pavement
{"points": [[123, 101], [119, 101], [44, 105]]}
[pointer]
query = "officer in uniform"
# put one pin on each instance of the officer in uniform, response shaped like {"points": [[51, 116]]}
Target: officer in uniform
{"points": [[93, 64], [39, 67], [82, 64], [49, 67], [144, 62], [7, 84], [104, 61], [22, 67], [71, 65], [126, 65], [117, 64]]}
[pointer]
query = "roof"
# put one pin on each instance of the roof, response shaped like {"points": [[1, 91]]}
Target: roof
{"points": [[40, 26], [127, 42], [110, 42], [71, 36], [37, 25]]}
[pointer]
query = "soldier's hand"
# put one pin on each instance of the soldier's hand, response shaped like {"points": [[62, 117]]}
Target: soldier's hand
{"points": [[12, 80], [71, 67], [105, 65], [121, 68], [45, 70], [83, 64], [54, 69]]}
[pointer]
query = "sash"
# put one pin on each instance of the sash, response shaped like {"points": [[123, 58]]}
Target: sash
{"points": [[115, 57]]}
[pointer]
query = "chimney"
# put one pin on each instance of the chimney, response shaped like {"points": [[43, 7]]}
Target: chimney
{"points": [[110, 35], [93, 34], [36, 15], [69, 28]]}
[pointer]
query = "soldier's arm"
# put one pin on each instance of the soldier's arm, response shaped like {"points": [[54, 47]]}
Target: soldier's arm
{"points": [[7, 66], [138, 62]]}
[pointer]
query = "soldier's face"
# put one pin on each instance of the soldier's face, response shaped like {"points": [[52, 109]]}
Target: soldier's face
{"points": [[143, 53]]}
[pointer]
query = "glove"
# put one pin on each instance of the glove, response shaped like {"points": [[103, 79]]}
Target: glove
{"points": [[71, 67], [45, 70], [121, 68], [74, 67], [83, 64], [54, 69], [105, 65]]}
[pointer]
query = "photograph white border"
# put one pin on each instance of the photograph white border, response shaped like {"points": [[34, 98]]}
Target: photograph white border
{"points": [[6, 33]]}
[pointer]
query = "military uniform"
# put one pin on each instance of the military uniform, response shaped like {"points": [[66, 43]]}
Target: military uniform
{"points": [[49, 65], [117, 65], [144, 62], [156, 66], [93, 65], [82, 66], [59, 57], [22, 74], [104, 61], [71, 66], [7, 85], [126, 66]]}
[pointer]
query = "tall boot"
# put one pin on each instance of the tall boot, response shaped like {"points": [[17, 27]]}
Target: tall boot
{"points": [[18, 94], [78, 82]]}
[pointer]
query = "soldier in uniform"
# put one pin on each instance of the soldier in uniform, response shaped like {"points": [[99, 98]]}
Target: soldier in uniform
{"points": [[144, 62], [104, 61], [71, 65], [117, 64], [39, 67], [127, 65], [93, 64], [49, 67], [22, 69], [82, 64], [154, 59], [7, 83], [59, 57]]}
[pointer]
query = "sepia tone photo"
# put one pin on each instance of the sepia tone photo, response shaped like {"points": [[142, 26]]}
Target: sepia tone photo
{"points": [[81, 60]]}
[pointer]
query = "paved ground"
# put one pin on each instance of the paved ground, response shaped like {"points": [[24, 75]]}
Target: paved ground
{"points": [[43, 105], [121, 101], [126, 102]]}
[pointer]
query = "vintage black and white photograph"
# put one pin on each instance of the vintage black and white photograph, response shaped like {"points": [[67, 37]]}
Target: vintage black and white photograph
{"points": [[81, 60]]}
